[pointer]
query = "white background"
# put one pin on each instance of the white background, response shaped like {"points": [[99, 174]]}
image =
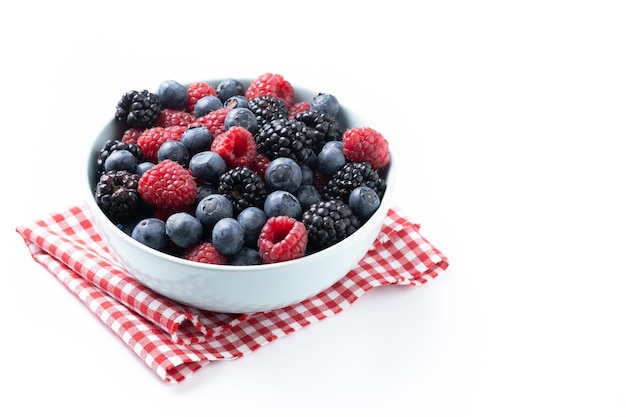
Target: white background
{"points": [[507, 119]]}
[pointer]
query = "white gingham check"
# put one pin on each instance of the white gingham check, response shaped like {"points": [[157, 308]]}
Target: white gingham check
{"points": [[176, 340]]}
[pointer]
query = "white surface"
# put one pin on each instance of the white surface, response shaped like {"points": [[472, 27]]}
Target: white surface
{"points": [[509, 119]]}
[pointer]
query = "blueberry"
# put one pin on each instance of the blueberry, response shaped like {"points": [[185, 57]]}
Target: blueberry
{"points": [[307, 175], [252, 220], [307, 195], [283, 173], [228, 88], [183, 229], [204, 190], [364, 201], [227, 236], [127, 227], [246, 256], [121, 160], [213, 208], [151, 232], [197, 139], [236, 101], [174, 150], [242, 116], [282, 203], [207, 166], [337, 143], [143, 167], [330, 159], [206, 105], [325, 103], [172, 94]]}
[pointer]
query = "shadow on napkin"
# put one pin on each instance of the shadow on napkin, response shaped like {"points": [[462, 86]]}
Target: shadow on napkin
{"points": [[175, 340]]}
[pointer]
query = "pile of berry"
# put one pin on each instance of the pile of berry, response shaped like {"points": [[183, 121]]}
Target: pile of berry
{"points": [[237, 175]]}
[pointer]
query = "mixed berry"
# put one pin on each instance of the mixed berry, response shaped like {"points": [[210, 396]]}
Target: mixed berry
{"points": [[236, 175]]}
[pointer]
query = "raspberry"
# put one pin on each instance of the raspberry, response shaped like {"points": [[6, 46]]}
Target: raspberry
{"points": [[298, 108], [259, 164], [236, 146], [206, 253], [171, 117], [214, 121], [270, 84], [131, 135], [282, 238], [163, 213], [319, 180], [196, 91], [151, 140], [168, 185], [364, 144]]}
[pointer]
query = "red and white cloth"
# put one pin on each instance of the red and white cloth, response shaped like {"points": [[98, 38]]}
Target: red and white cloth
{"points": [[175, 340]]}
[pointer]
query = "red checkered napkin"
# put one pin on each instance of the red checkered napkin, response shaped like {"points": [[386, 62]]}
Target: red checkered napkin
{"points": [[175, 340]]}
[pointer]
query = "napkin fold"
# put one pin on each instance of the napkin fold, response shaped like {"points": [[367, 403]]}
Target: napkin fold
{"points": [[175, 340]]}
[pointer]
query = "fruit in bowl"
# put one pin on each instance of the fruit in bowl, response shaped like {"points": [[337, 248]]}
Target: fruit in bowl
{"points": [[238, 195]]}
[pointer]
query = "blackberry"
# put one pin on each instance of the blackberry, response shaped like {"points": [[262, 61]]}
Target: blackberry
{"points": [[115, 145], [350, 176], [329, 222], [138, 109], [321, 128], [268, 108], [117, 196], [284, 138], [243, 187]]}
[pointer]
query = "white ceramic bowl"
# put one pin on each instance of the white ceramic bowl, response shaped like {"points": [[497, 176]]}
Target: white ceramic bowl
{"points": [[237, 289]]}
